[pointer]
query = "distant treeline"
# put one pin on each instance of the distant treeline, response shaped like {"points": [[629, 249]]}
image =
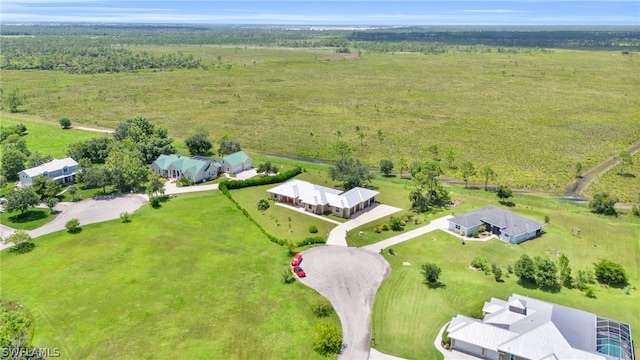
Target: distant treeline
{"points": [[105, 48]]}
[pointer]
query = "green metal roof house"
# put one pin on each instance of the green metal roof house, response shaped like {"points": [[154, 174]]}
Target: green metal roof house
{"points": [[236, 162], [176, 166]]}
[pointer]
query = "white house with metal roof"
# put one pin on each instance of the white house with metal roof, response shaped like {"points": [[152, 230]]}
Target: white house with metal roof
{"points": [[320, 199], [527, 328], [508, 226], [62, 170]]}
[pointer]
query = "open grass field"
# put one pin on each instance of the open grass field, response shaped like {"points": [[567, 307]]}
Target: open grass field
{"points": [[626, 187], [29, 220], [531, 116], [47, 138], [407, 315], [172, 283]]}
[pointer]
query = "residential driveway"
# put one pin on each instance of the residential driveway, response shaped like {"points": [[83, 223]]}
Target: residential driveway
{"points": [[91, 211], [170, 188], [338, 236], [349, 278], [437, 224]]}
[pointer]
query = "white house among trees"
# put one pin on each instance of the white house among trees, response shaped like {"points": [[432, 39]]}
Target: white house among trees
{"points": [[62, 171]]}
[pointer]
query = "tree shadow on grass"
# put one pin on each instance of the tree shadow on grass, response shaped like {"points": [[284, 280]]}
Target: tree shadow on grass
{"points": [[75, 230], [437, 285], [22, 248], [29, 215], [627, 175]]}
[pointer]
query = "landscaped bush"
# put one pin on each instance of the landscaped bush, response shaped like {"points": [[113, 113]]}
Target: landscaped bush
{"points": [[313, 228], [263, 204], [322, 309], [395, 223], [124, 216], [263, 180], [446, 342], [327, 338], [73, 226], [384, 227], [475, 234], [185, 182], [480, 263], [377, 230]]}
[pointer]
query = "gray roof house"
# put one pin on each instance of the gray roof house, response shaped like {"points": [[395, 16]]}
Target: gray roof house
{"points": [[527, 328], [508, 226], [63, 171]]}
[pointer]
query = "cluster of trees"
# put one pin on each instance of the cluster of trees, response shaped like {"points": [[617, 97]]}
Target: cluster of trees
{"points": [[12, 100], [86, 55], [426, 191], [15, 153], [603, 203], [351, 172], [547, 274], [16, 332]]}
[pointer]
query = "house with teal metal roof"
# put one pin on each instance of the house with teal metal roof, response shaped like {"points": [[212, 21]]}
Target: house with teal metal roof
{"points": [[236, 162], [176, 166]]}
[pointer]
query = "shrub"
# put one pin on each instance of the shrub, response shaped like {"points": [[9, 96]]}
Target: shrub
{"points": [[391, 252], [154, 201], [263, 204], [525, 269], [510, 269], [65, 123], [377, 230], [124, 216], [610, 273], [313, 228], [480, 263], [73, 226], [446, 342], [475, 234], [547, 219], [287, 277], [482, 228], [431, 273], [635, 210], [395, 223], [185, 182], [497, 274], [322, 309], [590, 292], [327, 338], [384, 227], [603, 203]]}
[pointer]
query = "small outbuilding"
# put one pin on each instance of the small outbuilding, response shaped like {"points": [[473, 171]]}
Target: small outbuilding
{"points": [[236, 162]]}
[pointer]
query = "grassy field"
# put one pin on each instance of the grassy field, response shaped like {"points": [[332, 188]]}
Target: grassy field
{"points": [[202, 284], [530, 116], [626, 187], [403, 298], [47, 138]]}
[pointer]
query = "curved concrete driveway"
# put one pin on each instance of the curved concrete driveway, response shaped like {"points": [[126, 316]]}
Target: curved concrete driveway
{"points": [[98, 209], [349, 278]]}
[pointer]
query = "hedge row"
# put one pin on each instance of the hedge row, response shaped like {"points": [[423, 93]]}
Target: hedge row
{"points": [[263, 180], [225, 186]]}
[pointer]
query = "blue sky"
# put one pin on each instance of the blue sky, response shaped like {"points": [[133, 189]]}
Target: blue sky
{"points": [[371, 12]]}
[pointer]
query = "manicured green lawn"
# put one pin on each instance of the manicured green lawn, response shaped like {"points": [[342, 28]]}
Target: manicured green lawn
{"points": [[282, 222], [49, 139], [407, 315], [194, 279], [31, 219]]}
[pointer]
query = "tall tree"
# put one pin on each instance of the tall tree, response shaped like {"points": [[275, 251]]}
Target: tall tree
{"points": [[228, 146], [21, 199], [97, 177], [128, 171], [14, 99], [12, 163], [402, 166], [352, 173], [546, 272], [426, 190], [199, 142], [450, 157], [503, 192], [155, 185], [603, 203], [610, 273], [488, 174], [386, 166], [565, 271], [65, 123], [579, 168], [342, 149], [525, 269], [431, 273], [36, 159], [467, 170]]}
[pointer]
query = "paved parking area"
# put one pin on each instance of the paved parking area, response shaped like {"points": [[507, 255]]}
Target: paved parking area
{"points": [[349, 278]]}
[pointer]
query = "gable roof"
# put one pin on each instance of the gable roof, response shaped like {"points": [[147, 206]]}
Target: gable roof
{"points": [[188, 165], [354, 197], [163, 161], [51, 166], [236, 158], [306, 192], [508, 222]]}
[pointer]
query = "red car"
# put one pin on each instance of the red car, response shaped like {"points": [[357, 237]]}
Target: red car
{"points": [[297, 259], [298, 270]]}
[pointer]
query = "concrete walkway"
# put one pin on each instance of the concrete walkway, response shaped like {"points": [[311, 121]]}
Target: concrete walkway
{"points": [[338, 236], [437, 224], [302, 211]]}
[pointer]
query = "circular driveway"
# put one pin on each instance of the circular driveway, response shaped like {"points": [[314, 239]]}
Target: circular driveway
{"points": [[349, 278]]}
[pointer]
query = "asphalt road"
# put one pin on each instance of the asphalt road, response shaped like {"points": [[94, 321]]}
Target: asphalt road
{"points": [[349, 278]]}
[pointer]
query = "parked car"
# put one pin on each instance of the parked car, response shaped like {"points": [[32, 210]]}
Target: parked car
{"points": [[297, 259], [298, 270]]}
